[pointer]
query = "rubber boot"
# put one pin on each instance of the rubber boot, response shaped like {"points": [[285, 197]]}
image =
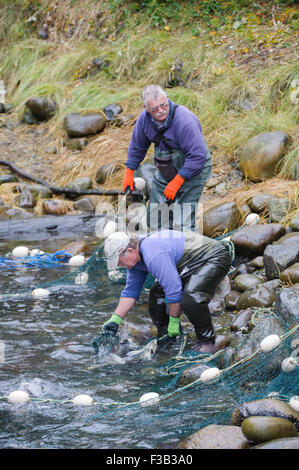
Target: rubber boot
{"points": [[157, 308]]}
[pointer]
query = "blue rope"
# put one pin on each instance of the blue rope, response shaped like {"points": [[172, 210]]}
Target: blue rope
{"points": [[45, 260]]}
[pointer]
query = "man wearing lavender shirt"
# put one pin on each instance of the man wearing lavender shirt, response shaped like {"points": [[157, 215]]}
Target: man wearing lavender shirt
{"points": [[182, 159], [187, 267]]}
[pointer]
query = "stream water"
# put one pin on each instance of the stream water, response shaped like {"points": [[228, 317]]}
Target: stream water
{"points": [[46, 351]]}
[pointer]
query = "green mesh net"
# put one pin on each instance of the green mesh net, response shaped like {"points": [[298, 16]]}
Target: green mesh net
{"points": [[246, 372]]}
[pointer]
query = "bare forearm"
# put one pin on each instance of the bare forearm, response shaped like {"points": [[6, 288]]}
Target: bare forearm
{"points": [[175, 309], [124, 306]]}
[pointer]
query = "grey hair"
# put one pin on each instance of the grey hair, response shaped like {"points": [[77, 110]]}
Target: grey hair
{"points": [[152, 91]]}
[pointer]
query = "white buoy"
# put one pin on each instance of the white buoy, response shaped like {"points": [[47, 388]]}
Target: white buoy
{"points": [[149, 399], [109, 228], [36, 252], [82, 278], [140, 183], [252, 219], [115, 275], [18, 396], [270, 342], [294, 402], [20, 251], [209, 374], [289, 365], [77, 260], [40, 293], [83, 400]]}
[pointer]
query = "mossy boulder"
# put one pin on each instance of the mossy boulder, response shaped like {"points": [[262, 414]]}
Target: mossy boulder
{"points": [[265, 428]]}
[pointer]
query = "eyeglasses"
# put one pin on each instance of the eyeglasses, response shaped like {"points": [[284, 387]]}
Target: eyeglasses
{"points": [[156, 108]]}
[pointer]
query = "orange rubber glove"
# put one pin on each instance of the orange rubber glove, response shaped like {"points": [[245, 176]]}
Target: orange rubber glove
{"points": [[173, 187], [128, 179]]}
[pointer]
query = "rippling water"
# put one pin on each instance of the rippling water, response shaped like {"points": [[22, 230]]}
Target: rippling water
{"points": [[48, 353]]}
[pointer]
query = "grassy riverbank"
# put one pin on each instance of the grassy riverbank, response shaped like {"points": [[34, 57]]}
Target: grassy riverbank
{"points": [[214, 57]]}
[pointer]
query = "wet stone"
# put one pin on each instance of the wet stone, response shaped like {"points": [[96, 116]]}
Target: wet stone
{"points": [[279, 257], [257, 297], [291, 274], [252, 241], [287, 303], [246, 281], [264, 407], [216, 436], [265, 428]]}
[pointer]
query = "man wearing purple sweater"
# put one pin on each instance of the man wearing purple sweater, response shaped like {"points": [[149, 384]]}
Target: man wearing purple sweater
{"points": [[182, 159], [187, 267]]}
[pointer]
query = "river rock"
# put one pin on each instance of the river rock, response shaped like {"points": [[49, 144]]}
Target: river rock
{"points": [[231, 299], [279, 208], [77, 248], [105, 171], [294, 222], [265, 428], [37, 190], [279, 257], [217, 303], [216, 436], [260, 296], [220, 218], [257, 262], [291, 237], [112, 110], [261, 156], [43, 108], [55, 206], [259, 202], [252, 240], [77, 143], [284, 443], [246, 281], [27, 200], [287, 303], [291, 274], [82, 125], [85, 204], [264, 407], [242, 320], [81, 184]]}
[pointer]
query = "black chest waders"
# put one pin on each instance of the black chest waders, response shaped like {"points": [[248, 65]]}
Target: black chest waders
{"points": [[204, 264], [181, 213]]}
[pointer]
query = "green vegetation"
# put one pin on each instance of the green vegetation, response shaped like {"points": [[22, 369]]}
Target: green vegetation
{"points": [[232, 63]]}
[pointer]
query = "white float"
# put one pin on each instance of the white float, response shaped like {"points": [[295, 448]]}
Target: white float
{"points": [[36, 252], [149, 399], [209, 374], [109, 228], [77, 260], [83, 400], [20, 251], [252, 219], [82, 278], [289, 364], [294, 402], [140, 183], [18, 396], [270, 342], [40, 293]]}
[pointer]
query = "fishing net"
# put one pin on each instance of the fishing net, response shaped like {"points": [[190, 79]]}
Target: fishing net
{"points": [[246, 372]]}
